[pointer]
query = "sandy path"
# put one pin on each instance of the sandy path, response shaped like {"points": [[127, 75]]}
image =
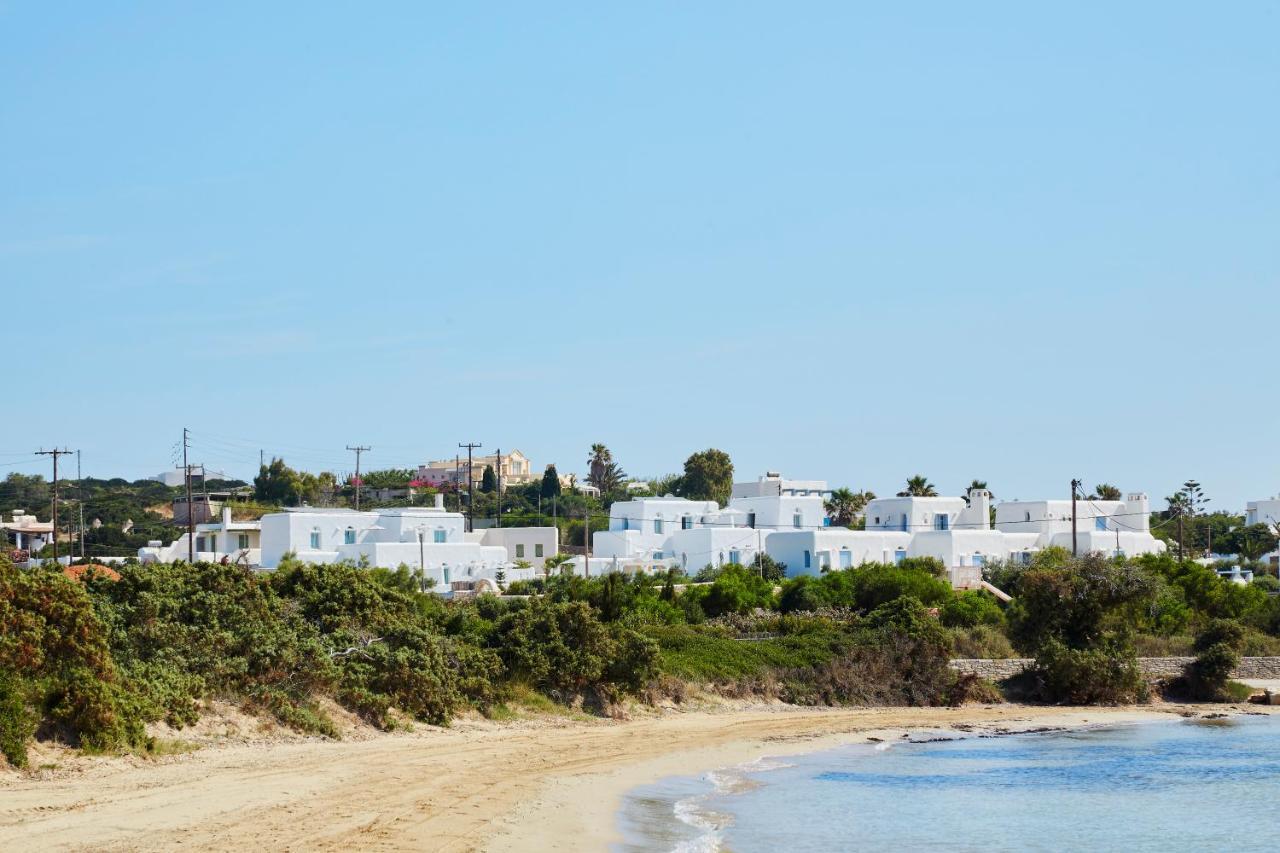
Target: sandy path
{"points": [[534, 785]]}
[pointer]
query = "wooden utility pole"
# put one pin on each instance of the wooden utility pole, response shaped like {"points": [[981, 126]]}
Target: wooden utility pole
{"points": [[586, 540], [1075, 542], [55, 453], [80, 501], [186, 470], [358, 450], [471, 487], [497, 480]]}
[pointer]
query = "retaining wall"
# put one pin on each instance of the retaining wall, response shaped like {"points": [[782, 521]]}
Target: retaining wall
{"points": [[996, 670]]}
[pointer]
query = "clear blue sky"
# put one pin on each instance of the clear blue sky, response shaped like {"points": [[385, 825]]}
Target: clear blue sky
{"points": [[984, 240]]}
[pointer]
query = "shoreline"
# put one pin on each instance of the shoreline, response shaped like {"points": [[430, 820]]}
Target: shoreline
{"points": [[541, 783], [588, 808]]}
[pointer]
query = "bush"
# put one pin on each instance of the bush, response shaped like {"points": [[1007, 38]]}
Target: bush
{"points": [[1108, 675], [981, 641], [736, 590], [1207, 677], [18, 719], [971, 608]]}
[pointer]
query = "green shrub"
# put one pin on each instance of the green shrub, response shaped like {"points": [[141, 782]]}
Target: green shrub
{"points": [[971, 608], [1217, 655], [18, 720], [981, 641], [736, 590], [1105, 675]]}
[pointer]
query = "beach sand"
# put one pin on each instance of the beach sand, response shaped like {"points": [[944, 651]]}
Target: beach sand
{"points": [[548, 783]]}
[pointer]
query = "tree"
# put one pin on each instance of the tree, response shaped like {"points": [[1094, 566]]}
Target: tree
{"points": [[1187, 502], [708, 476], [488, 480], [596, 462], [1105, 492], [1250, 542], [556, 564], [277, 483], [918, 487], [550, 483], [844, 505]]}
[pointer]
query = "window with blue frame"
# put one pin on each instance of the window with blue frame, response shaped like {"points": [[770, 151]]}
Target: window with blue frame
{"points": [[349, 536], [1100, 522], [941, 521], [808, 560], [899, 555], [439, 535], [686, 522], [315, 540], [657, 525], [797, 520], [846, 558], [735, 557]]}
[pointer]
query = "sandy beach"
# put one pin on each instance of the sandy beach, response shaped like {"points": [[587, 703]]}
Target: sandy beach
{"points": [[548, 783]]}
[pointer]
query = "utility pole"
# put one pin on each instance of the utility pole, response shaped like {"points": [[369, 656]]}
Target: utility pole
{"points": [[186, 470], [80, 500], [471, 486], [497, 476], [55, 453], [586, 540], [262, 459], [1075, 541], [358, 450]]}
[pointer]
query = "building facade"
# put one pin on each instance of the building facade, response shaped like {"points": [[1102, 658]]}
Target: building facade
{"points": [[513, 469]]}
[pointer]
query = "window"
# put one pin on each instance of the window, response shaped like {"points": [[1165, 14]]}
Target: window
{"points": [[751, 519], [349, 536], [979, 560], [1028, 516], [624, 523], [735, 557], [1100, 522], [657, 525], [242, 542], [537, 550], [797, 520], [941, 522], [846, 558], [808, 560], [519, 552], [877, 519], [200, 544], [439, 535], [657, 555], [315, 540], [686, 523], [899, 555]]}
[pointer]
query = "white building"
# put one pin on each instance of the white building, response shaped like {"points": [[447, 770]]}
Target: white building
{"points": [[26, 534], [431, 539], [654, 533], [959, 533], [773, 484], [224, 539], [1265, 512]]}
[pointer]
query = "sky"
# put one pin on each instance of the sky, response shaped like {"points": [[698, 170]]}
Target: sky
{"points": [[846, 241]]}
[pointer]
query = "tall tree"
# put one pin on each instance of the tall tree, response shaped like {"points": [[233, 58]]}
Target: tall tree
{"points": [[918, 487], [488, 480], [596, 463], [550, 483], [708, 476]]}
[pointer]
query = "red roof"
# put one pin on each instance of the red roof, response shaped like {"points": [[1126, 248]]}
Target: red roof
{"points": [[78, 572]]}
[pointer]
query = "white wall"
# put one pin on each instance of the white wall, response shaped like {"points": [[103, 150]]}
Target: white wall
{"points": [[534, 544]]}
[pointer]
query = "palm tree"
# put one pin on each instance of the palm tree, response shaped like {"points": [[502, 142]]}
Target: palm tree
{"points": [[844, 505], [555, 564], [598, 466], [1105, 492], [918, 487]]}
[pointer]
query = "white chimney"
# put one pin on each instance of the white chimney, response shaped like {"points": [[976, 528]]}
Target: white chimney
{"points": [[439, 500]]}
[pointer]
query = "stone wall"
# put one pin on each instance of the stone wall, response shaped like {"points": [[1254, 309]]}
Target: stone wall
{"points": [[997, 670]]}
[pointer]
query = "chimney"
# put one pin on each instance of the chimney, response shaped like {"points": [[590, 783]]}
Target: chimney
{"points": [[226, 517], [439, 500]]}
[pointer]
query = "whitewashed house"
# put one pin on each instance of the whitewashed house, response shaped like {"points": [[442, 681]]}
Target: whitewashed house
{"points": [[25, 534], [959, 533], [1265, 512], [655, 533], [430, 539], [224, 539]]}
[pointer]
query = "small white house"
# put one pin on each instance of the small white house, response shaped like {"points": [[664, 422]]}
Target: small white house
{"points": [[224, 539], [430, 539]]}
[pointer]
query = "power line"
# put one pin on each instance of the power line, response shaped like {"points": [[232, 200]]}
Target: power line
{"points": [[55, 453]]}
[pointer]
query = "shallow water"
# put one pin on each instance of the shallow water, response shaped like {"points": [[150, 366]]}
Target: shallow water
{"points": [[1186, 785]]}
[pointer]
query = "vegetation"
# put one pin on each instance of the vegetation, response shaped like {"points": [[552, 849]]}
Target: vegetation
{"points": [[708, 476], [918, 487], [90, 662]]}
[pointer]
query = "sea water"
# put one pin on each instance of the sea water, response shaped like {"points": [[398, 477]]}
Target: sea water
{"points": [[1187, 785]]}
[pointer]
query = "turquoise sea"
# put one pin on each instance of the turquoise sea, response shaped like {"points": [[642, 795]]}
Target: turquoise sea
{"points": [[1187, 785]]}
